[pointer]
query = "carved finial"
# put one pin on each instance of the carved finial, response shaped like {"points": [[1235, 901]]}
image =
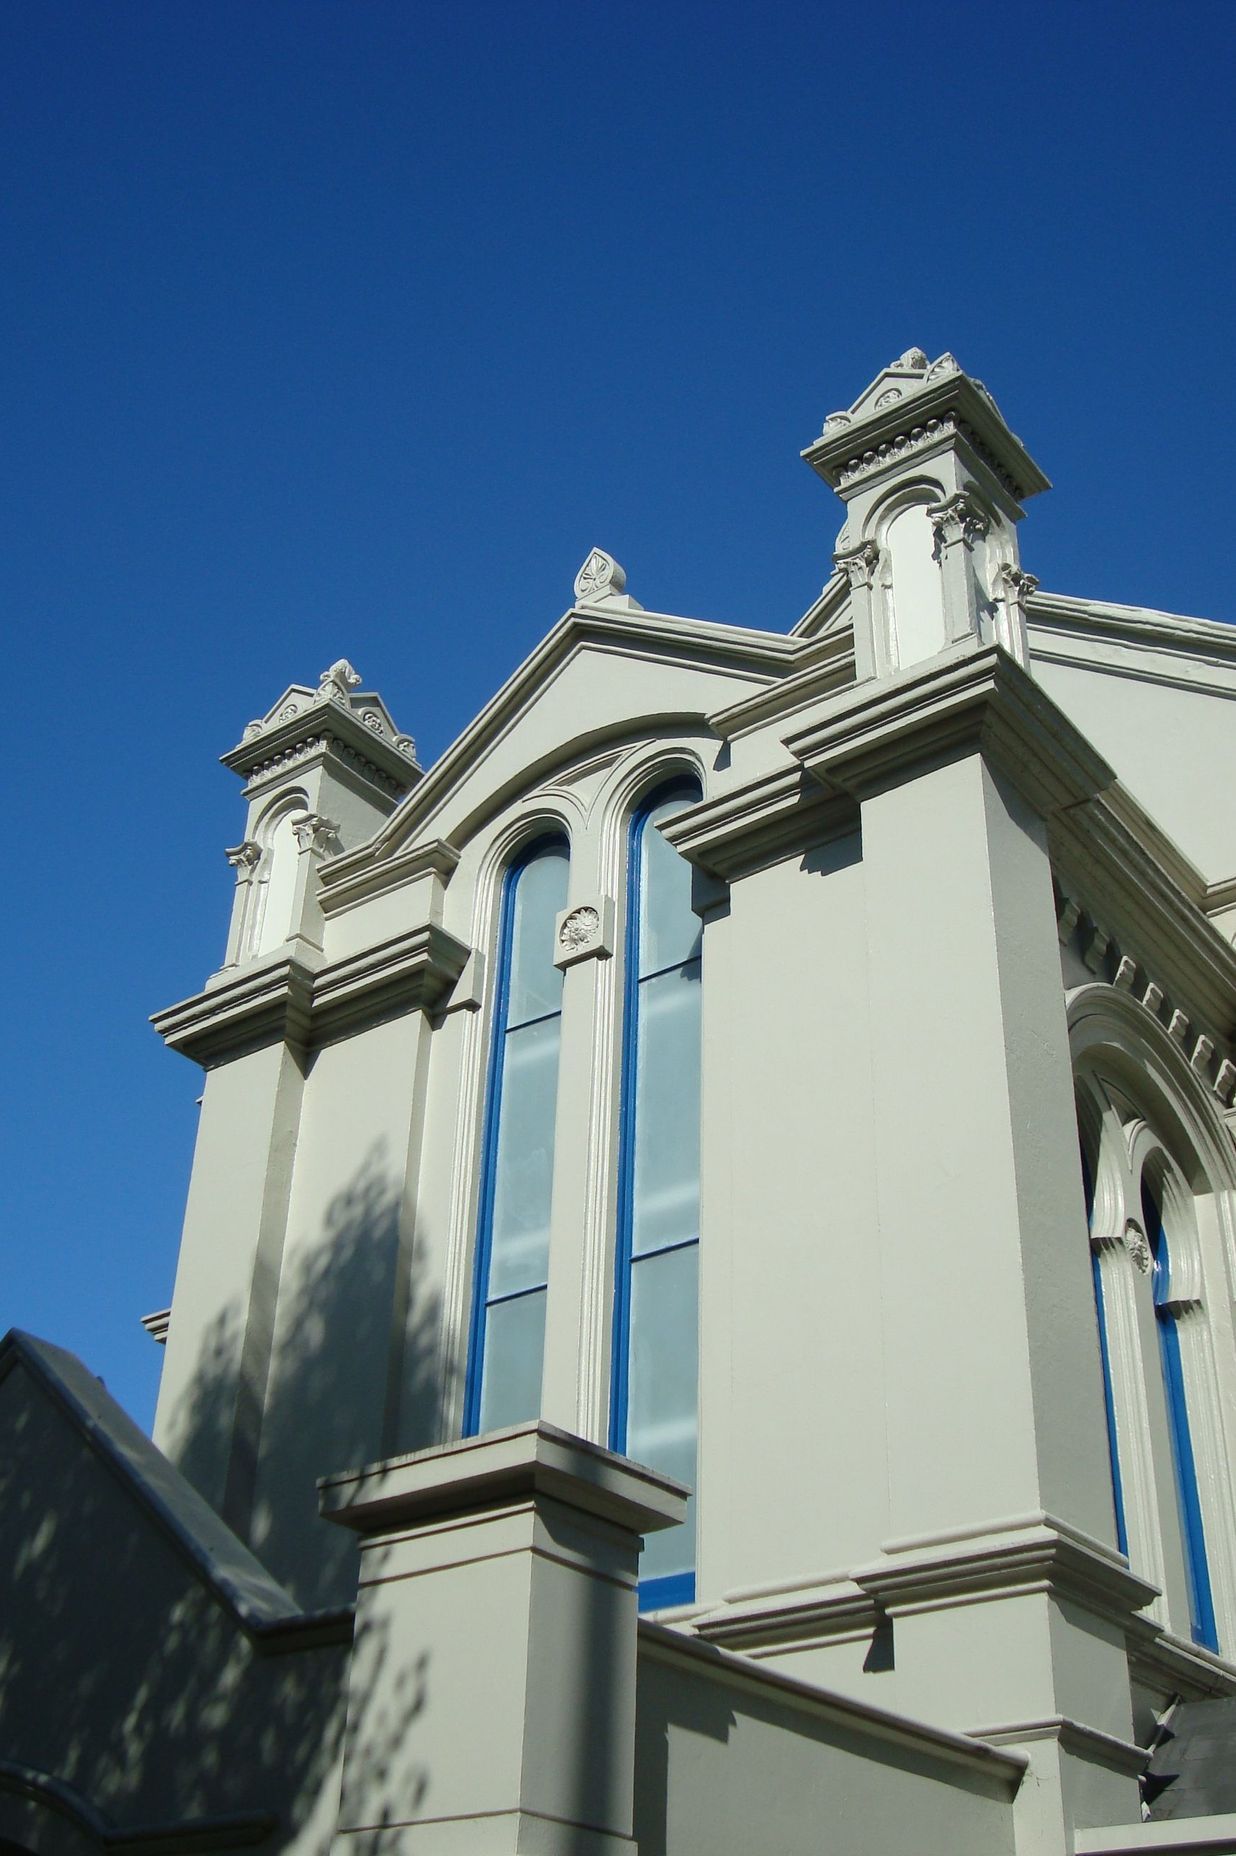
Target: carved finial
{"points": [[598, 578], [947, 364], [338, 681], [912, 358]]}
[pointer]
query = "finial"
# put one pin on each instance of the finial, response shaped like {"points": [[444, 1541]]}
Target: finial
{"points": [[602, 582], [912, 358], [338, 681], [599, 578]]}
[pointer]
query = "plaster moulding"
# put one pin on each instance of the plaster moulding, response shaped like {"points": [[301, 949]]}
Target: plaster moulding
{"points": [[969, 700], [291, 1001], [585, 931]]}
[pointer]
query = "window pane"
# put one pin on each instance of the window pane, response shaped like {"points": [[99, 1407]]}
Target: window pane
{"points": [[662, 1390], [669, 932], [514, 1343], [540, 892], [665, 1208], [524, 1169]]}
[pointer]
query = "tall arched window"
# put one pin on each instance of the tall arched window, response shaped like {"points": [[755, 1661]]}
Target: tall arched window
{"points": [[1188, 1501], [505, 1354], [654, 1398], [1140, 1213], [1109, 1397]]}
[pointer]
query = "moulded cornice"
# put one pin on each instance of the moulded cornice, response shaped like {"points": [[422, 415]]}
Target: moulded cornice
{"points": [[1114, 862], [411, 970], [339, 890], [266, 1004], [1161, 1659], [1042, 1555], [759, 823], [725, 1666], [1059, 623], [288, 1001], [949, 409], [827, 669], [326, 728], [970, 701], [826, 609], [733, 650], [834, 1613]]}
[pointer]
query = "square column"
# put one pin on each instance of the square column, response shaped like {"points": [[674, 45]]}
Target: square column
{"points": [[491, 1694]]}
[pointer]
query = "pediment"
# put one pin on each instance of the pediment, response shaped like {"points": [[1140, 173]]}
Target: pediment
{"points": [[597, 676]]}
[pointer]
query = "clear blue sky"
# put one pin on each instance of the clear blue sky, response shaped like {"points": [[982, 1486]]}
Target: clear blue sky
{"points": [[348, 328]]}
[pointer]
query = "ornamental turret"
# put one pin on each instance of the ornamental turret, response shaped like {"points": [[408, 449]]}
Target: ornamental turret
{"points": [[933, 481], [322, 769]]}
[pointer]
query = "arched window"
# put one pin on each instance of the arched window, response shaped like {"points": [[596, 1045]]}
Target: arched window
{"points": [[655, 1348], [503, 1383], [1109, 1397], [1140, 1215], [1188, 1501]]}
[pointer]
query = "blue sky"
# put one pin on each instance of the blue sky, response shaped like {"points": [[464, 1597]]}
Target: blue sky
{"points": [[349, 328]]}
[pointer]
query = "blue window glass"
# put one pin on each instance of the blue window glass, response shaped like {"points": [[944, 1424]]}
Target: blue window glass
{"points": [[653, 1409], [507, 1344], [1109, 1402], [1188, 1500]]}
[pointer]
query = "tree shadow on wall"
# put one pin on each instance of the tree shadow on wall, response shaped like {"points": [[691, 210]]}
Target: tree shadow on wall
{"points": [[343, 1364], [127, 1671]]}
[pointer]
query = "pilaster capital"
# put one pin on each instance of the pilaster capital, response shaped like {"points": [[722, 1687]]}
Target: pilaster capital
{"points": [[244, 858], [959, 518], [1014, 586], [314, 832], [859, 564]]}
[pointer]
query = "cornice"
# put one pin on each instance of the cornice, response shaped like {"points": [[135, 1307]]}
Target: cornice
{"points": [[1144, 905], [1061, 620], [1074, 1736], [324, 728], [1164, 1660], [1039, 1554], [288, 1001], [671, 1645], [263, 1004], [829, 669], [968, 701], [340, 889], [831, 601], [835, 1612], [410, 971], [733, 650], [952, 407], [759, 823]]}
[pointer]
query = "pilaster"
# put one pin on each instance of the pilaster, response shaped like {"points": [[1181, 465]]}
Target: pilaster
{"points": [[491, 1696]]}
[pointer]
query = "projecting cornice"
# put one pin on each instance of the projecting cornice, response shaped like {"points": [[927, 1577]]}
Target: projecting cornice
{"points": [[967, 701], [291, 1001], [729, 650]]}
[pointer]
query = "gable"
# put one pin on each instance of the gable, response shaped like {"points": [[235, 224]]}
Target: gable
{"points": [[595, 678]]}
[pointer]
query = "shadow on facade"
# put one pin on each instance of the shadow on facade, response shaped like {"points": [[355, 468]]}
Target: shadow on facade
{"points": [[127, 1671]]}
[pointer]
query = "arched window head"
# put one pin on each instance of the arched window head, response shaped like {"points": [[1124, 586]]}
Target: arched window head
{"points": [[653, 1416], [507, 1343]]}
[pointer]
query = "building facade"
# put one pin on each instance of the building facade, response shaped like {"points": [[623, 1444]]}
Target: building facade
{"points": [[723, 1190]]}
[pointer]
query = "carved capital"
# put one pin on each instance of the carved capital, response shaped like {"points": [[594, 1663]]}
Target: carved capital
{"points": [[859, 564], [958, 519], [244, 858], [313, 832], [1013, 586]]}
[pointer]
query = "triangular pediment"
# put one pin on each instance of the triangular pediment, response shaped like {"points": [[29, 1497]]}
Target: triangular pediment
{"points": [[596, 676]]}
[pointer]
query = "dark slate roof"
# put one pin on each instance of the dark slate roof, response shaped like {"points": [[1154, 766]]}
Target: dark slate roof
{"points": [[1192, 1770]]}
